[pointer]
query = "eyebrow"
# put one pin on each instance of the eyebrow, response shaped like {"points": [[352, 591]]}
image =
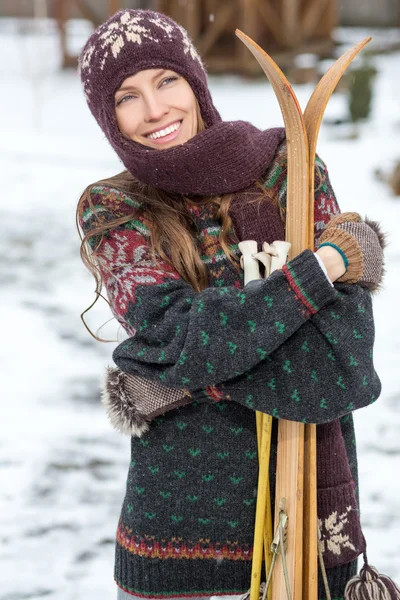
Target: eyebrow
{"points": [[130, 87]]}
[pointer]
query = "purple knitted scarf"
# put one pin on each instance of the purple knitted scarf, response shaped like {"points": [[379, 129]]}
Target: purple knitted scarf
{"points": [[226, 157]]}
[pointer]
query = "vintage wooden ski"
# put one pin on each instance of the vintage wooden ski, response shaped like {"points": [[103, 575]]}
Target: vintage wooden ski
{"points": [[296, 463], [313, 115]]}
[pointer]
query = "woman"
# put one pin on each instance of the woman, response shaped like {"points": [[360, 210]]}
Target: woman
{"points": [[204, 352]]}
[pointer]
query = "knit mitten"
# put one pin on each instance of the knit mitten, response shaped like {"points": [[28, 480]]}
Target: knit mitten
{"points": [[132, 402], [361, 245]]}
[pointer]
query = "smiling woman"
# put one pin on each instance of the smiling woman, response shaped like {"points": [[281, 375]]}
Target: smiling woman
{"points": [[204, 351], [157, 108]]}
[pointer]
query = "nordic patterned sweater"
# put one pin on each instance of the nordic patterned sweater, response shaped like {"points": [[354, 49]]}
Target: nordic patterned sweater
{"points": [[292, 346]]}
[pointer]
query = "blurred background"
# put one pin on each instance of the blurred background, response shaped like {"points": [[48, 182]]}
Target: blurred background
{"points": [[62, 467]]}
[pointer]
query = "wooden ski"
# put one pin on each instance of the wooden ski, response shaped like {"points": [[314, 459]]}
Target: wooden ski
{"points": [[313, 115], [296, 461]]}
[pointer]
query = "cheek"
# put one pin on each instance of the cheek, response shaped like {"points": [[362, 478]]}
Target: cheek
{"points": [[186, 100], [127, 120], [189, 106], [195, 118]]}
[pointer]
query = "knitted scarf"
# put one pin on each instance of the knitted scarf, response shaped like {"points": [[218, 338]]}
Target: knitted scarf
{"points": [[226, 157]]}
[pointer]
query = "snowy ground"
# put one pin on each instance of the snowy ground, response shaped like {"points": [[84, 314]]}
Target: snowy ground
{"points": [[62, 468]]}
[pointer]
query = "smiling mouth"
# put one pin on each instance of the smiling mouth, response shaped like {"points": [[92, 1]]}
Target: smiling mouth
{"points": [[163, 133]]}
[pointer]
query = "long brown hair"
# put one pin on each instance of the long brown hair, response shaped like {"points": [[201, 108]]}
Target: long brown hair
{"points": [[171, 227]]}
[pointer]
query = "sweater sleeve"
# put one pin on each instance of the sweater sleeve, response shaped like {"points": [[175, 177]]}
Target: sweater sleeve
{"points": [[325, 370], [186, 339]]}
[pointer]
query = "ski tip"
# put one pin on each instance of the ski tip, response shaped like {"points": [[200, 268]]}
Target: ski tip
{"points": [[239, 33], [246, 39], [360, 45], [365, 41], [254, 48]]}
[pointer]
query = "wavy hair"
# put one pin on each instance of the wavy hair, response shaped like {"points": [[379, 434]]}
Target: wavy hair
{"points": [[172, 230]]}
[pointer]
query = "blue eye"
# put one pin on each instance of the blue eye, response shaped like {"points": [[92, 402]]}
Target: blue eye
{"points": [[165, 81], [127, 97], [169, 79]]}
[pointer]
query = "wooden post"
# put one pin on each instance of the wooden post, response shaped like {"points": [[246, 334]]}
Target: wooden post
{"points": [[86, 11], [312, 16], [215, 28], [193, 24], [113, 7], [61, 11], [291, 20], [248, 19], [272, 21], [277, 23]]}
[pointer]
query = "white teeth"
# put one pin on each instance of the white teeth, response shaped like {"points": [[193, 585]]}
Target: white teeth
{"points": [[164, 132]]}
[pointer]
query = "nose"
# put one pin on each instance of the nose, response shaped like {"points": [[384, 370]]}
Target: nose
{"points": [[155, 109]]}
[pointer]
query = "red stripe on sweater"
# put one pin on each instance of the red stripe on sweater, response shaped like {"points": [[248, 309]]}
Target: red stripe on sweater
{"points": [[298, 293]]}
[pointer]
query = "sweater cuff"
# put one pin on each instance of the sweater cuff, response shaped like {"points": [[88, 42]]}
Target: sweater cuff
{"points": [[308, 281]]}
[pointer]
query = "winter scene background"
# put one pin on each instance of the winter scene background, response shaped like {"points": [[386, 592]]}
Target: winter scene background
{"points": [[62, 467]]}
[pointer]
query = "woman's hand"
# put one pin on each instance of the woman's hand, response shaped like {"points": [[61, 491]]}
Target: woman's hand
{"points": [[333, 262]]}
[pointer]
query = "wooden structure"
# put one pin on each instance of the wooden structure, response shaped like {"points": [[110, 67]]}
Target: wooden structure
{"points": [[65, 9], [283, 27], [370, 13]]}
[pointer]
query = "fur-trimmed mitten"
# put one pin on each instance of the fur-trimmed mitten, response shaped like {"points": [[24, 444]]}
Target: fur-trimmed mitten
{"points": [[132, 402], [361, 244]]}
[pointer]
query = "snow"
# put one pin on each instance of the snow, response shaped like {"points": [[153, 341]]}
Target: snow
{"points": [[62, 467], [306, 61]]}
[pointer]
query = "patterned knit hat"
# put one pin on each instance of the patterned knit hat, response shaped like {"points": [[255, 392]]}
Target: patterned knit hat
{"points": [[129, 42], [226, 157]]}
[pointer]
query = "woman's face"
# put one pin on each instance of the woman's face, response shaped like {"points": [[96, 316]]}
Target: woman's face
{"points": [[156, 108]]}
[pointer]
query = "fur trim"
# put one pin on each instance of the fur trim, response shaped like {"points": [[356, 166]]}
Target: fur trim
{"points": [[383, 241], [382, 235], [123, 414]]}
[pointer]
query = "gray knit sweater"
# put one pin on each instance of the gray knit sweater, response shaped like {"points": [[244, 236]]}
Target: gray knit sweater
{"points": [[291, 346]]}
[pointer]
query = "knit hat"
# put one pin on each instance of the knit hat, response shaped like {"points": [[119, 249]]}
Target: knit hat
{"points": [[129, 42], [226, 157]]}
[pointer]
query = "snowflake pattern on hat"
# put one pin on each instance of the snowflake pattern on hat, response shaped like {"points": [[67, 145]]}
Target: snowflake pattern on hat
{"points": [[131, 27]]}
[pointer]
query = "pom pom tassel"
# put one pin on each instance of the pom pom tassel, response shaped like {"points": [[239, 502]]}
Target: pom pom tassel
{"points": [[371, 585]]}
